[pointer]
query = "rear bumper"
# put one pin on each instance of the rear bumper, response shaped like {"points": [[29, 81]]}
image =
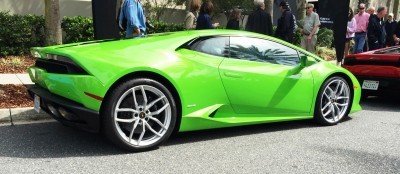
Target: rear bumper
{"points": [[386, 85], [66, 111]]}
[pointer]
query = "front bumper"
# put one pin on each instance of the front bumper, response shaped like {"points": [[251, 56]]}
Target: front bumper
{"points": [[66, 111], [386, 85]]}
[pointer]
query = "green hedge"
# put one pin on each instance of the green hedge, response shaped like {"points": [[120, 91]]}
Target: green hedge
{"points": [[77, 29], [160, 27], [18, 33], [324, 37]]}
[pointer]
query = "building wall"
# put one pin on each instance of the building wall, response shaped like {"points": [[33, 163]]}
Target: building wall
{"points": [[84, 8], [67, 7]]}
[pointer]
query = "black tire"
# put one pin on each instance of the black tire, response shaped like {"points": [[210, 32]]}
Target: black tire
{"points": [[321, 100], [118, 132]]}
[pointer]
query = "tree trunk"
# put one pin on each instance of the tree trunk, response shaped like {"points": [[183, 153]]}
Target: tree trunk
{"points": [[187, 5], [388, 2], [269, 7], [301, 11], [52, 23], [395, 8]]}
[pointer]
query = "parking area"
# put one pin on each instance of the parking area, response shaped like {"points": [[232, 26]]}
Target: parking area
{"points": [[367, 142]]}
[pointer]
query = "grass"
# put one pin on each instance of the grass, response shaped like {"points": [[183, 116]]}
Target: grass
{"points": [[12, 62], [15, 64]]}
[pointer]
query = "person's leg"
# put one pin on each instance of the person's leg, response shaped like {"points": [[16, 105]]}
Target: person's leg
{"points": [[361, 43], [366, 45], [313, 44], [346, 52], [303, 42], [356, 42]]}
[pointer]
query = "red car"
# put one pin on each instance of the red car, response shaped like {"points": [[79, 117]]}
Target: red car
{"points": [[377, 71]]}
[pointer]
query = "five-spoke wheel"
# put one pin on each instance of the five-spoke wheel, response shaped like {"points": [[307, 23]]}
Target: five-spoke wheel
{"points": [[140, 115], [333, 102]]}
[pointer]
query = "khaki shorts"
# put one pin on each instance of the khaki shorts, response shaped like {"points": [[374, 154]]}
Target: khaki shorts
{"points": [[310, 47]]}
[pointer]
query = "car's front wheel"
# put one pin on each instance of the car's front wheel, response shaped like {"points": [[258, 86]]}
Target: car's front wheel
{"points": [[139, 114], [333, 101]]}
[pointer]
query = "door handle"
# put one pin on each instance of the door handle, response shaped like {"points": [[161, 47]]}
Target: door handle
{"points": [[233, 75]]}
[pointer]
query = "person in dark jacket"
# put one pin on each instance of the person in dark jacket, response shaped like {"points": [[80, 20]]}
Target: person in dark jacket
{"points": [[285, 27], [233, 23], [204, 20], [390, 26], [259, 21], [376, 30]]}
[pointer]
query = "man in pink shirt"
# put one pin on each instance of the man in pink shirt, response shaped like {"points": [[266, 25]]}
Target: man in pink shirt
{"points": [[361, 29]]}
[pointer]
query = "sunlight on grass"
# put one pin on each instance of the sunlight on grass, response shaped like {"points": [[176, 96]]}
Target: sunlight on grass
{"points": [[11, 61]]}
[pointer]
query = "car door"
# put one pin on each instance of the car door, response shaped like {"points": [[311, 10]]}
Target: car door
{"points": [[264, 77]]}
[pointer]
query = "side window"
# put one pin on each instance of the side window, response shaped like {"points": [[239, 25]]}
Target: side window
{"points": [[260, 50], [217, 46]]}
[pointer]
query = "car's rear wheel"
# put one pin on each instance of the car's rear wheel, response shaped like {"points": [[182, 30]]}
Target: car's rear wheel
{"points": [[333, 101], [139, 114]]}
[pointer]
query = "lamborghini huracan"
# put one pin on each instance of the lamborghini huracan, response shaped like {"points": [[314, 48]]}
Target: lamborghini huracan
{"points": [[378, 71], [139, 91]]}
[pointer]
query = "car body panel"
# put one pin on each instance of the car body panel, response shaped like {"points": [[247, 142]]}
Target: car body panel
{"points": [[256, 87], [210, 96], [381, 65]]}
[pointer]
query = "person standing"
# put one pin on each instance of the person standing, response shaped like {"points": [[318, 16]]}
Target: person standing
{"points": [[361, 30], [371, 10], [310, 29], [396, 34], [351, 29], [233, 23], [204, 20], [192, 15], [259, 21], [132, 11], [285, 29], [390, 26], [376, 30]]}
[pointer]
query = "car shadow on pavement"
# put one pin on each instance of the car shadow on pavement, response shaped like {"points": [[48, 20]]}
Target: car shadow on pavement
{"points": [[381, 103], [205, 135], [52, 140]]}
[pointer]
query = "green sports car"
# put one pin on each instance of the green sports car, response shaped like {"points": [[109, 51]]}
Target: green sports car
{"points": [[139, 91]]}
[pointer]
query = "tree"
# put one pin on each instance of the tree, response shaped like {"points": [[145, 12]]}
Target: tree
{"points": [[388, 3], [226, 6], [157, 8], [366, 2], [269, 6], [395, 8], [52, 23], [301, 11]]}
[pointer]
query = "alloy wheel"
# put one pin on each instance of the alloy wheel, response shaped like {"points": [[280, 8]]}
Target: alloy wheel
{"points": [[142, 115], [335, 100]]}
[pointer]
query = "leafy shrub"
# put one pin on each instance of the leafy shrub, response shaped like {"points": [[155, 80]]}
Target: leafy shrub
{"points": [[18, 33], [325, 38], [160, 27], [77, 29], [326, 53]]}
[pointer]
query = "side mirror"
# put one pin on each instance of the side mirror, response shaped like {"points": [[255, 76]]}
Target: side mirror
{"points": [[303, 61]]}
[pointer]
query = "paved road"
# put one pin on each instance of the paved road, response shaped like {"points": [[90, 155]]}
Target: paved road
{"points": [[368, 142]]}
